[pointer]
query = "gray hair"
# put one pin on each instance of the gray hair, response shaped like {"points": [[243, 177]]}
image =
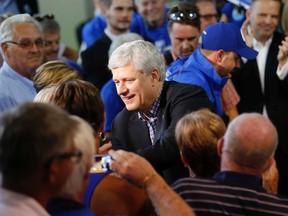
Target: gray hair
{"points": [[251, 139], [123, 38], [30, 136], [85, 142], [6, 27], [143, 55], [50, 26]]}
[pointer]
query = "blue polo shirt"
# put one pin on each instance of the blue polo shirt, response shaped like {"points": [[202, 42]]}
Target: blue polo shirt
{"points": [[159, 36]]}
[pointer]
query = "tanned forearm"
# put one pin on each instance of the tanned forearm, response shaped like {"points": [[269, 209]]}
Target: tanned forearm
{"points": [[165, 200]]}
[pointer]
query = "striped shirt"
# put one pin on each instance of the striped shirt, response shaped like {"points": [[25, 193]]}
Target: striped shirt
{"points": [[230, 193]]}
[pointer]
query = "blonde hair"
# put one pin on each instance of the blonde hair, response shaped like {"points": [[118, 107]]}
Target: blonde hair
{"points": [[54, 72], [78, 97], [197, 135]]}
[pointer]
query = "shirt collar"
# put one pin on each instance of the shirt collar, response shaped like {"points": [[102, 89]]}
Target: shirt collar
{"points": [[15, 75], [153, 110], [257, 44], [239, 180]]}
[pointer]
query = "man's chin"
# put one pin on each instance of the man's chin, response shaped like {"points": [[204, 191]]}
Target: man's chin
{"points": [[130, 107]]}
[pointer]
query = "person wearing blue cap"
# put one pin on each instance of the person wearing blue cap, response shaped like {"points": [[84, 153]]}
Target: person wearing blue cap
{"points": [[209, 67]]}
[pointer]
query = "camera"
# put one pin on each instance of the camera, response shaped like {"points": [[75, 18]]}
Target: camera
{"points": [[101, 164], [105, 162]]}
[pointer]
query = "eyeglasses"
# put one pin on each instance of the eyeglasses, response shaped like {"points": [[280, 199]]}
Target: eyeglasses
{"points": [[75, 157], [28, 44], [50, 43], [40, 18], [180, 15]]}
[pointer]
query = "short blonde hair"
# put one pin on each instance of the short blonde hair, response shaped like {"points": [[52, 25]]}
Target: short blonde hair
{"points": [[197, 135], [54, 72]]}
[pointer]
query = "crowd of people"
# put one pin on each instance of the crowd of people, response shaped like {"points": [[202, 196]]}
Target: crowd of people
{"points": [[190, 110]]}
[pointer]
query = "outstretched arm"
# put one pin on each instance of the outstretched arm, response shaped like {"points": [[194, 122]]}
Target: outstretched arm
{"points": [[140, 172]]}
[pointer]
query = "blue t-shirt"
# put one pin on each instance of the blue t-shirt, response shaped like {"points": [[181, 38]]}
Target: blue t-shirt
{"points": [[93, 30], [113, 104], [159, 36]]}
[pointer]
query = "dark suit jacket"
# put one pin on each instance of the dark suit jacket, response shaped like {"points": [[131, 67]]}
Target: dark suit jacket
{"points": [[275, 98], [95, 61], [28, 6], [131, 134]]}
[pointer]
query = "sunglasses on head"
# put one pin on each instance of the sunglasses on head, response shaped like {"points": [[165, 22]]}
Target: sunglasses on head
{"points": [[40, 18], [181, 15]]}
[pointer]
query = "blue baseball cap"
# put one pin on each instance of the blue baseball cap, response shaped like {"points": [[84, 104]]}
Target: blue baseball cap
{"points": [[226, 36]]}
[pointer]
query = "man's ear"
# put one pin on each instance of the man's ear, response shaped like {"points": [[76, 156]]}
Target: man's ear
{"points": [[104, 10], [219, 55], [4, 47], [248, 13], [155, 76], [52, 172], [220, 145], [268, 164]]}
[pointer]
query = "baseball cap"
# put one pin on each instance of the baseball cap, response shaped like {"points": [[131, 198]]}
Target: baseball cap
{"points": [[226, 36]]}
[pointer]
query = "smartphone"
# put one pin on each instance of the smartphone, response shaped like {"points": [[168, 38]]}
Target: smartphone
{"points": [[101, 164]]}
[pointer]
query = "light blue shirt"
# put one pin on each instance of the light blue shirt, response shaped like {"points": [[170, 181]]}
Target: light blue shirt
{"points": [[14, 88]]}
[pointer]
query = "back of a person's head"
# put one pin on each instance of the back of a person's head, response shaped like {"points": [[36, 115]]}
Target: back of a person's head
{"points": [[78, 97], [197, 135], [6, 27], [30, 136], [48, 23], [54, 72], [184, 13], [5, 16], [123, 38], [84, 140], [251, 140], [142, 55]]}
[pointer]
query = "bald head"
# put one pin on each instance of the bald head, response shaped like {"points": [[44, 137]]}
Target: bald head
{"points": [[250, 140]]}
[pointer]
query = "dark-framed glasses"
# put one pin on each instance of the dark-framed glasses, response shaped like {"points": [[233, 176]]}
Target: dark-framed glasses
{"points": [[28, 44], [75, 157], [40, 17], [181, 15]]}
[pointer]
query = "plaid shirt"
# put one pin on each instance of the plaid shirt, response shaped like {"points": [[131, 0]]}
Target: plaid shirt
{"points": [[150, 118]]}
